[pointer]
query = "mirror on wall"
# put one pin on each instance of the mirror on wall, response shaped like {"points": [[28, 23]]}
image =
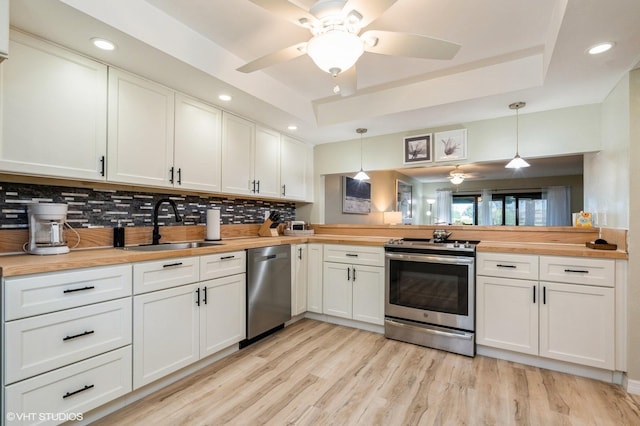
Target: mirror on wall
{"points": [[404, 200]]}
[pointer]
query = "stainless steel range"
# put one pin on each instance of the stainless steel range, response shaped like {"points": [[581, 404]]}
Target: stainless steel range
{"points": [[430, 292]]}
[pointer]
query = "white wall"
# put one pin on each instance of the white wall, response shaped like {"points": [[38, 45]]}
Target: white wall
{"points": [[606, 173]]}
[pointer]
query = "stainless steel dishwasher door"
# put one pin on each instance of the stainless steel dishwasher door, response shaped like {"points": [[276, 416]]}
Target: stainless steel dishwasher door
{"points": [[268, 288]]}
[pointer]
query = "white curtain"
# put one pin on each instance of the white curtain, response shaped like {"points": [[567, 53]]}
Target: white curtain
{"points": [[484, 208], [443, 207], [558, 205]]}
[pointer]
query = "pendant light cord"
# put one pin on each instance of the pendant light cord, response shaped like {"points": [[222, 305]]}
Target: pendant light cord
{"points": [[361, 131]]}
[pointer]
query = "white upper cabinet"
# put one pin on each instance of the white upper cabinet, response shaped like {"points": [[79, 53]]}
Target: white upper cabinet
{"points": [[141, 125], [197, 150], [267, 162], [54, 109], [293, 166], [238, 137]]}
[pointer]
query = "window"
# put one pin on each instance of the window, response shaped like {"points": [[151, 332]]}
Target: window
{"points": [[512, 209]]}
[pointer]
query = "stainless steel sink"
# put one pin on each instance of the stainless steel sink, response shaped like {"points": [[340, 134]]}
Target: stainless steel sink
{"points": [[173, 246]]}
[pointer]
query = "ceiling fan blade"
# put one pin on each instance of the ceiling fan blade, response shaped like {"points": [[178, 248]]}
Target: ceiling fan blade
{"points": [[286, 10], [370, 10], [410, 45], [347, 81], [274, 58]]}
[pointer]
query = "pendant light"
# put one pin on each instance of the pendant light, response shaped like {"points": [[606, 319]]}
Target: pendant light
{"points": [[517, 161], [361, 174]]}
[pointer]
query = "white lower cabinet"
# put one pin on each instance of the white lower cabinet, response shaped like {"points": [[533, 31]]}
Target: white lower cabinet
{"points": [[565, 321], [66, 342], [314, 277], [182, 323], [299, 271], [354, 290]]}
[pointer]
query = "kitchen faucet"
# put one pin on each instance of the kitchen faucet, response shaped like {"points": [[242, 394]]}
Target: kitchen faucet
{"points": [[156, 227]]}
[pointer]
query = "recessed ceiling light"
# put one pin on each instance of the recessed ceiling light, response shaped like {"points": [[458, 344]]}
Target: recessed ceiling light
{"points": [[225, 98], [103, 44], [600, 48], [292, 127]]}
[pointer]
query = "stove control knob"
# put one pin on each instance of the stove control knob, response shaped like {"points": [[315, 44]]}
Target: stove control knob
{"points": [[467, 245], [456, 244]]}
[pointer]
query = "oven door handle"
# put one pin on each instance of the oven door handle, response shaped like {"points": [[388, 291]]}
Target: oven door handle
{"points": [[430, 258]]}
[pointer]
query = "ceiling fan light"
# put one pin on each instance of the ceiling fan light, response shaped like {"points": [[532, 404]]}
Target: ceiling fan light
{"points": [[517, 163], [457, 178], [335, 51]]}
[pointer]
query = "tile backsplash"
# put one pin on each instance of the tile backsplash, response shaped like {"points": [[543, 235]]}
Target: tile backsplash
{"points": [[94, 208]]}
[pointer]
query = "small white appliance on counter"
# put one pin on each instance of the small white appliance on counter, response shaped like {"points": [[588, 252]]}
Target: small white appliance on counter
{"points": [[46, 228]]}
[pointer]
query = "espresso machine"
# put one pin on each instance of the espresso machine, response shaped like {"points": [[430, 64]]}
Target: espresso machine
{"points": [[46, 228]]}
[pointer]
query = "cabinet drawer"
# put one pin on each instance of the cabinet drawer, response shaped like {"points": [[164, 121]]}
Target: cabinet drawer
{"points": [[46, 342], [506, 265], [77, 388], [167, 273], [43, 293], [222, 265], [575, 270], [358, 255]]}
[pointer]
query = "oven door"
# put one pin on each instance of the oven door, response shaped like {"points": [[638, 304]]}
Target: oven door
{"points": [[432, 289]]}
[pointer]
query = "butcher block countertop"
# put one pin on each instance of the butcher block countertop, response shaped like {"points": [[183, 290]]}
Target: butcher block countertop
{"points": [[23, 264]]}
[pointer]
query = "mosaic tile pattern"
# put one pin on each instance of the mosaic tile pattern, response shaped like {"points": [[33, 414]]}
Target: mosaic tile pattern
{"points": [[97, 208]]}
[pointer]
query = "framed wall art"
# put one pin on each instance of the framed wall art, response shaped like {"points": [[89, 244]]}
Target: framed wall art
{"points": [[451, 145], [356, 196], [417, 149]]}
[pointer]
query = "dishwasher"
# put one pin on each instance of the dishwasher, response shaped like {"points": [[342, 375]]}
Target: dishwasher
{"points": [[268, 291]]}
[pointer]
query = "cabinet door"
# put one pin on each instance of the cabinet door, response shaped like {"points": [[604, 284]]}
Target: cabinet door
{"points": [[267, 162], [141, 124], [197, 149], [237, 154], [222, 313], [54, 112], [293, 174], [337, 292], [314, 278], [577, 324], [299, 266], [368, 294], [165, 332], [507, 314]]}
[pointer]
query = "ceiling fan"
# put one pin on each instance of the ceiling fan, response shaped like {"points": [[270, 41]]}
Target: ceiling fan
{"points": [[336, 43]]}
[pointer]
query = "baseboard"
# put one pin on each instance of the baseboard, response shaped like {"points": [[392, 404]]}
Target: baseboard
{"points": [[633, 386], [346, 322], [551, 364]]}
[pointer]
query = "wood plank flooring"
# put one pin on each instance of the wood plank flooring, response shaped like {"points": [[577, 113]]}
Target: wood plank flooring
{"points": [[315, 373]]}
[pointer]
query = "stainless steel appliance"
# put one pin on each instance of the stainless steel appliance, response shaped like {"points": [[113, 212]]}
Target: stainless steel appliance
{"points": [[46, 228], [268, 290], [430, 293]]}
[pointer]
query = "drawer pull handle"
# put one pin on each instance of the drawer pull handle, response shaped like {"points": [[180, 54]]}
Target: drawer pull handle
{"points": [[506, 266], [68, 394], [73, 290], [198, 296], [227, 257], [169, 265], [351, 255], [75, 336], [204, 298], [577, 271]]}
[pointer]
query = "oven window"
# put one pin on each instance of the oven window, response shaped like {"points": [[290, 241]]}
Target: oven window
{"points": [[429, 286]]}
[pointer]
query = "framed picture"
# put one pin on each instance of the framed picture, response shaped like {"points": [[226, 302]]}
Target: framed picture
{"points": [[451, 145], [356, 196], [417, 149]]}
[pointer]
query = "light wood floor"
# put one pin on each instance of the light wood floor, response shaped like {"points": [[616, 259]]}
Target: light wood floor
{"points": [[315, 373]]}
